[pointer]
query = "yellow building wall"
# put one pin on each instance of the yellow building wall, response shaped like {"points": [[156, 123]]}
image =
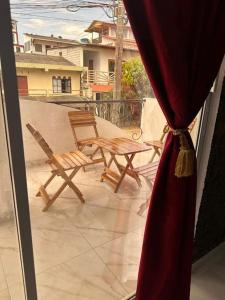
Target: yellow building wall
{"points": [[40, 81]]}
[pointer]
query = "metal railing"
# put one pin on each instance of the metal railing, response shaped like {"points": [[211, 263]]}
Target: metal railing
{"points": [[46, 92], [123, 113], [98, 77]]}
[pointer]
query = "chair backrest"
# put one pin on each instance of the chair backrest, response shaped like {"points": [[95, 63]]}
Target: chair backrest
{"points": [[82, 119], [191, 126], [40, 140], [165, 131]]}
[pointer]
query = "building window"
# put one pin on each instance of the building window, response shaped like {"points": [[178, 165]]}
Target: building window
{"points": [[105, 31], [27, 46], [66, 85], [18, 49], [38, 48], [111, 65], [61, 85], [56, 85]]}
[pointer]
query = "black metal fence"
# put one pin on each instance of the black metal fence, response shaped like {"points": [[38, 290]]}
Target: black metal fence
{"points": [[123, 113]]}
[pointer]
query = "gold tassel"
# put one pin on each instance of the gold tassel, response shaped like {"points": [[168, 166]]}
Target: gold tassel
{"points": [[186, 157]]}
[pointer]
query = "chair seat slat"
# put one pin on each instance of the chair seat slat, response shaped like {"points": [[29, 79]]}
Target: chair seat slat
{"points": [[68, 157]]}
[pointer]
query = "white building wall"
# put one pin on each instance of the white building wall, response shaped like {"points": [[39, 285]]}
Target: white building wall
{"points": [[106, 54], [92, 55], [73, 54], [80, 56]]}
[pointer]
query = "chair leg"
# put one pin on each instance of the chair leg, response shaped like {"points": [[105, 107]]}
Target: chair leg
{"points": [[103, 156], [46, 183], [81, 148], [49, 201], [68, 181], [156, 152]]}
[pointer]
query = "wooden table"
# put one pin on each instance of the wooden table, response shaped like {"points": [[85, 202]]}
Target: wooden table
{"points": [[122, 147]]}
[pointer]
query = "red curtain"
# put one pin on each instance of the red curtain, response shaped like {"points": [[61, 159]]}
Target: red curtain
{"points": [[182, 43]]}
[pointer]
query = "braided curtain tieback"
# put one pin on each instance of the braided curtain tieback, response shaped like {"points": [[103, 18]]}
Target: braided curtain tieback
{"points": [[186, 157]]}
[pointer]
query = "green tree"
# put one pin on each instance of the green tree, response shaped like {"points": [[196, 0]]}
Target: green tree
{"points": [[135, 80]]}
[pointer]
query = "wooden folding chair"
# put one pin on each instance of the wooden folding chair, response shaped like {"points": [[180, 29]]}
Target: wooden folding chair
{"points": [[159, 144], [149, 170], [80, 119], [60, 164]]}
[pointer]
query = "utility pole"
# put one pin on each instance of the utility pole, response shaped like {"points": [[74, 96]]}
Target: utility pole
{"points": [[120, 15]]}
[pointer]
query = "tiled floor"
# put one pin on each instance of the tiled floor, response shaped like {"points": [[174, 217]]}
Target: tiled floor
{"points": [[82, 251], [92, 250]]}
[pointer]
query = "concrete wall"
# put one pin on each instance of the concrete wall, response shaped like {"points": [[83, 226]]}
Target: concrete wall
{"points": [[52, 122], [153, 121], [40, 81]]}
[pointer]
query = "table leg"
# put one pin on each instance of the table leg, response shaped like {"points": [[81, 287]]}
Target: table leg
{"points": [[107, 167], [131, 167], [129, 161], [117, 164], [117, 179]]}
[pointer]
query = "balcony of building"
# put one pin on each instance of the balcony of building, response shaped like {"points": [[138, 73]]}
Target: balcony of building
{"points": [[98, 77]]}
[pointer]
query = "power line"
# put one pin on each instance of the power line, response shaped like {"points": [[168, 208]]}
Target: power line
{"points": [[53, 18]]}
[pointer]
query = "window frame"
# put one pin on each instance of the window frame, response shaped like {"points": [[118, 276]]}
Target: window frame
{"points": [[61, 85], [36, 46]]}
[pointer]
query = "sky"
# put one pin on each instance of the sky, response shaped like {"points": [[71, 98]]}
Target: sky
{"points": [[54, 19]]}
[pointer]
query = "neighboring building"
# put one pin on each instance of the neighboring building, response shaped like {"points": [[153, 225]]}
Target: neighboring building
{"points": [[40, 44], [99, 63], [45, 75], [16, 45], [105, 33], [97, 56]]}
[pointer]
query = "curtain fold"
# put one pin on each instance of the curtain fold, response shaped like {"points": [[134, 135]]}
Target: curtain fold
{"points": [[182, 45]]}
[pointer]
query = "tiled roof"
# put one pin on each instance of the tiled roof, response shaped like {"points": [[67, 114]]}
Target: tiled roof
{"points": [[42, 59], [51, 38], [97, 25]]}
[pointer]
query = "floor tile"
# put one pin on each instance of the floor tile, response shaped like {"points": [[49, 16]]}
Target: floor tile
{"points": [[122, 257], [4, 295], [3, 284], [118, 221], [9, 254], [55, 240], [84, 277], [17, 292], [208, 276], [97, 237]]}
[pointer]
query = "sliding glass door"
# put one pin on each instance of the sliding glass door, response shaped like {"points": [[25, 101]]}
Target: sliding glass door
{"points": [[17, 279]]}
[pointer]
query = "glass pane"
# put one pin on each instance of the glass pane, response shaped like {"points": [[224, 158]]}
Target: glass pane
{"points": [[85, 250], [11, 279]]}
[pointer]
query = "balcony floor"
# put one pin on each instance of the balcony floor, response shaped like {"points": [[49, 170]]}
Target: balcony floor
{"points": [[82, 251], [88, 251]]}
